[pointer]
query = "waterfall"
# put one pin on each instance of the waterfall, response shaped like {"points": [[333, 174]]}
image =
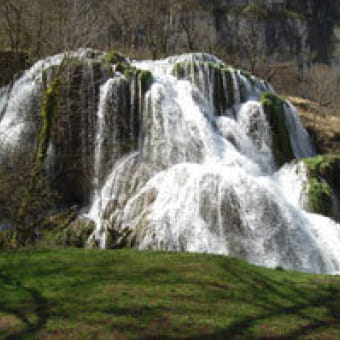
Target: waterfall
{"points": [[19, 103], [188, 164], [212, 184], [21, 100]]}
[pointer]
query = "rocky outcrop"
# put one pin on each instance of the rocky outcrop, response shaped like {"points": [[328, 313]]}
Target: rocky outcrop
{"points": [[324, 185], [64, 229], [288, 29], [69, 147], [273, 107]]}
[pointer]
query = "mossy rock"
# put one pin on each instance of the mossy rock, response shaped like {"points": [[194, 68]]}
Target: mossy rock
{"points": [[53, 225], [65, 230], [74, 116], [273, 107], [78, 233], [114, 57], [323, 183], [179, 70], [49, 110], [117, 239], [222, 98], [253, 9], [144, 77], [126, 69]]}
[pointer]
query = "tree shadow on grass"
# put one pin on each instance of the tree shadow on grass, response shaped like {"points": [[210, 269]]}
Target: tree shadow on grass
{"points": [[279, 300], [31, 308]]}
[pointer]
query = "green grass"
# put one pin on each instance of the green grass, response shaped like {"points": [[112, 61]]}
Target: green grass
{"points": [[125, 294]]}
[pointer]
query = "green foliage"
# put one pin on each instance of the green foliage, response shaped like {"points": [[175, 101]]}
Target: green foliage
{"points": [[126, 69], [179, 71], [144, 78], [323, 179], [273, 107], [113, 57], [327, 166], [255, 9], [75, 235], [293, 14], [25, 195], [320, 196], [126, 294], [63, 230]]}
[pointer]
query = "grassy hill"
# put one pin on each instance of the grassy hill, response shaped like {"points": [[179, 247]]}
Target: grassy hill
{"points": [[125, 294]]}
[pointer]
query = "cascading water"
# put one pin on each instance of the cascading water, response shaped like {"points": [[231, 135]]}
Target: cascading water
{"points": [[19, 101], [189, 165], [212, 184]]}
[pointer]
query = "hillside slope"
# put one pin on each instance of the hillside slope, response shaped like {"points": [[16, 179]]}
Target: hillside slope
{"points": [[91, 294]]}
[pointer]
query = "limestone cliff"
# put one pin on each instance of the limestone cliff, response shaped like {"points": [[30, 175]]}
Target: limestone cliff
{"points": [[287, 28]]}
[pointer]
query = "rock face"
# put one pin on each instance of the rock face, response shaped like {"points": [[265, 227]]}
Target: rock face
{"points": [[179, 154], [275, 112], [64, 133], [288, 28], [324, 185]]}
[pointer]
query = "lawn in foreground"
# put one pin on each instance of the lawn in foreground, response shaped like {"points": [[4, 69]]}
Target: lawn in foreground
{"points": [[126, 294]]}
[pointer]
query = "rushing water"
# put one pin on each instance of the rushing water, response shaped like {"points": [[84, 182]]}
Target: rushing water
{"points": [[212, 184], [197, 179]]}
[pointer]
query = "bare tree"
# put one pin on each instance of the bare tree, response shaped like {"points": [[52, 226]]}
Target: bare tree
{"points": [[25, 196], [251, 27], [324, 82]]}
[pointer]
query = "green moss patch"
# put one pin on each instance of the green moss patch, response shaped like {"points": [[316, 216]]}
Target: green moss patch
{"points": [[255, 9], [48, 113], [219, 74], [113, 57], [144, 78], [323, 179], [64, 229], [273, 107]]}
